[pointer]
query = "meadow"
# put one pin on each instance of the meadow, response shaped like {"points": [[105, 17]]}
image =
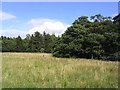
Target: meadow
{"points": [[41, 70]]}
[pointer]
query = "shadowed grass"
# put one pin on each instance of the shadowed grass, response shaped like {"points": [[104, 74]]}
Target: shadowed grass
{"points": [[41, 70]]}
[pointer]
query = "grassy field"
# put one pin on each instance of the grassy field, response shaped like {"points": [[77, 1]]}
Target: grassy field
{"points": [[41, 70]]}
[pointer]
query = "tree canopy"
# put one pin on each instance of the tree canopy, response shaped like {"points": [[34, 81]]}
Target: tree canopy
{"points": [[98, 39]]}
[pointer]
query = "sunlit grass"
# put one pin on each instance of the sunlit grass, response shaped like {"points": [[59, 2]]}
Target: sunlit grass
{"points": [[36, 70]]}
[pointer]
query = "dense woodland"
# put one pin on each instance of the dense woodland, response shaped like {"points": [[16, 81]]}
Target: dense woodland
{"points": [[98, 38], [32, 43]]}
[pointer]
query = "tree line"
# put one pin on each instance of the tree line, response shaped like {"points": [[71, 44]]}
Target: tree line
{"points": [[36, 42], [98, 38]]}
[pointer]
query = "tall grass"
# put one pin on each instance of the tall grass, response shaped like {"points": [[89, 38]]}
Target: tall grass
{"points": [[41, 70]]}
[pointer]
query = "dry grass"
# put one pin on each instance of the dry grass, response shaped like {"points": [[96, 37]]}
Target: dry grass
{"points": [[36, 70]]}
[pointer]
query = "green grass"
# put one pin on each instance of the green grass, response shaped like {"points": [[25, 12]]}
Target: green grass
{"points": [[41, 70]]}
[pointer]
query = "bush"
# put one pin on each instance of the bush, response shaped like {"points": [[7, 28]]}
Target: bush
{"points": [[42, 50]]}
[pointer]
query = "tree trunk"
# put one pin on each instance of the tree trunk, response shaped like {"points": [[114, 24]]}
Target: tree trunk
{"points": [[91, 56]]}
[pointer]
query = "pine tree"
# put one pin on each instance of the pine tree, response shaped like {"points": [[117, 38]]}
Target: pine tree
{"points": [[19, 44]]}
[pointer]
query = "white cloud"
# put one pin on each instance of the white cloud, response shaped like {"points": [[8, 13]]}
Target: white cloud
{"points": [[113, 15], [13, 33], [6, 16], [40, 25], [48, 25]]}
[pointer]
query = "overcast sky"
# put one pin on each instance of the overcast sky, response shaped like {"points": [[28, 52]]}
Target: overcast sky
{"points": [[21, 18]]}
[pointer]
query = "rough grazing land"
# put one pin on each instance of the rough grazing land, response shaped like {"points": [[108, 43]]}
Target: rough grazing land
{"points": [[40, 70]]}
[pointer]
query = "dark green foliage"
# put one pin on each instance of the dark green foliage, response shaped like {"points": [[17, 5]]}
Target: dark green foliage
{"points": [[42, 50], [32, 43], [39, 41], [19, 44], [47, 42], [35, 43], [98, 39], [8, 44], [26, 43], [71, 42]]}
